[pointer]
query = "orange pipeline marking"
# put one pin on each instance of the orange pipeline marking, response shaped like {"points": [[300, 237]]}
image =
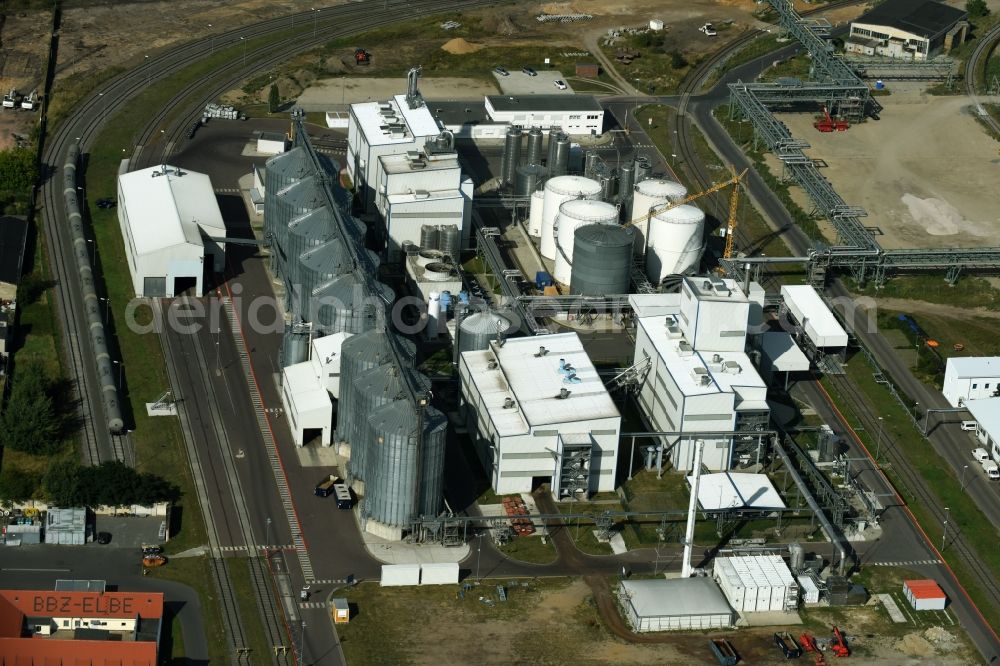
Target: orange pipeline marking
{"points": [[906, 508]]}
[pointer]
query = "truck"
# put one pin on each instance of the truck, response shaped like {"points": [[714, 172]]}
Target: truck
{"points": [[787, 644], [325, 486], [343, 495], [992, 469], [724, 652]]}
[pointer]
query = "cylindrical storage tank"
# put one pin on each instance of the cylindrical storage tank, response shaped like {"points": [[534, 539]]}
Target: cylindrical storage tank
{"points": [[626, 178], [642, 169], [796, 556], [426, 256], [602, 260], [316, 267], [534, 152], [646, 195], [294, 345], [305, 232], [590, 163], [527, 178], [558, 161], [405, 472], [574, 214], [429, 236], [345, 304], [676, 241], [300, 197], [535, 213], [609, 182], [359, 354], [450, 242], [281, 171], [477, 330], [511, 154], [370, 390], [557, 191], [433, 314]]}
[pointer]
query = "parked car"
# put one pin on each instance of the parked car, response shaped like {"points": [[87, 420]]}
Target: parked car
{"points": [[104, 538], [560, 84], [980, 454], [500, 71], [105, 203], [968, 425], [708, 29], [529, 71]]}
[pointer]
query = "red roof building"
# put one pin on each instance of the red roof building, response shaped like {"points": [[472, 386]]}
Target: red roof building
{"points": [[924, 594], [45, 628]]}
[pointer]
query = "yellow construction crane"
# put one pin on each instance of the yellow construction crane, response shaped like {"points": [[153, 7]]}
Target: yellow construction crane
{"points": [[733, 200]]}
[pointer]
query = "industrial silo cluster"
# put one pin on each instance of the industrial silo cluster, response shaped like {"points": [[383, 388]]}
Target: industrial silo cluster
{"points": [[656, 229], [392, 438]]}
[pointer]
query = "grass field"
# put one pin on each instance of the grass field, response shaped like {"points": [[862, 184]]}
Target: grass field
{"points": [[239, 575], [195, 572], [530, 549]]}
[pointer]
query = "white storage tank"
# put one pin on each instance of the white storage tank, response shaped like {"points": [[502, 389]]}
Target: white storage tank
{"points": [[574, 214], [535, 213], [648, 193], [676, 241], [557, 191]]}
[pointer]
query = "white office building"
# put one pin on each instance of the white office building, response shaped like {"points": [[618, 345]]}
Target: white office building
{"points": [[573, 114], [168, 218], [538, 412], [971, 378], [698, 378], [309, 388]]}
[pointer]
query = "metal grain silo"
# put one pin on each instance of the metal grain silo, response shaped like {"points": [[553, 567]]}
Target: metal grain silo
{"points": [[359, 354], [511, 154], [305, 232], [405, 471], [573, 214], [316, 267], [676, 241], [281, 171], [557, 191], [535, 212], [477, 330], [602, 259], [558, 160], [346, 304], [534, 152], [646, 195], [527, 178], [450, 242], [294, 200]]}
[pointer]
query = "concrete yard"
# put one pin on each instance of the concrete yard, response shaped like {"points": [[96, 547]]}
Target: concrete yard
{"points": [[925, 172], [519, 83], [326, 94]]}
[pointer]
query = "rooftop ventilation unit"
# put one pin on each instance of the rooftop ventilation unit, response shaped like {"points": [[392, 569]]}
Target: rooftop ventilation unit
{"points": [[508, 403], [542, 351], [716, 358], [684, 348], [492, 365], [699, 374], [563, 394], [732, 367]]}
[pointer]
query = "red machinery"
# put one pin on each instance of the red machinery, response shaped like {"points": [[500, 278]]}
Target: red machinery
{"points": [[809, 645], [362, 57], [839, 645], [826, 123]]}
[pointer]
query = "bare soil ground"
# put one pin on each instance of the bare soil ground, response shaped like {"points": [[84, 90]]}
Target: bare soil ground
{"points": [[926, 172]]}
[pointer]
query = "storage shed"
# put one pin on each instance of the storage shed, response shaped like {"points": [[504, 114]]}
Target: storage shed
{"points": [[757, 583], [439, 573], [396, 575], [66, 526], [677, 604], [924, 594], [341, 611]]}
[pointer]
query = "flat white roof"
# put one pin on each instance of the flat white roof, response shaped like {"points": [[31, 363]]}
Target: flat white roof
{"points": [[418, 122], [307, 394], [400, 163], [811, 311], [754, 571], [987, 414], [780, 349], [684, 365], [427, 195], [534, 382], [714, 288], [676, 597], [329, 344], [654, 305], [972, 367], [168, 206], [734, 490]]}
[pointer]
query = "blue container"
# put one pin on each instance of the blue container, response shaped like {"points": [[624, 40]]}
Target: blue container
{"points": [[445, 301], [879, 85], [463, 297], [542, 280]]}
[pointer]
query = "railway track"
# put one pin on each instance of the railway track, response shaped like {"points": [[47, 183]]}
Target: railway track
{"points": [[910, 484], [982, 50]]}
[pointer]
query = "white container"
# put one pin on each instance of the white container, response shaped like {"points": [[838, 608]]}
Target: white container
{"points": [[676, 242], [655, 24], [557, 191], [433, 314], [574, 214], [646, 194], [535, 213]]}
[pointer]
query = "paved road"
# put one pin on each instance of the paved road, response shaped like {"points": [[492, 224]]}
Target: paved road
{"points": [[983, 50]]}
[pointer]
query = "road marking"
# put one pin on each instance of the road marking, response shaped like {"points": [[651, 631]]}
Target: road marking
{"points": [[306, 605], [909, 563]]}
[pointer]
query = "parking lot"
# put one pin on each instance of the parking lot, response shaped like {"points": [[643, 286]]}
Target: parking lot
{"points": [[131, 531], [519, 83]]}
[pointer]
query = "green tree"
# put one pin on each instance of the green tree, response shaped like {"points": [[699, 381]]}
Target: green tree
{"points": [[677, 60], [62, 484], [273, 99], [977, 8], [29, 423], [17, 485], [18, 170]]}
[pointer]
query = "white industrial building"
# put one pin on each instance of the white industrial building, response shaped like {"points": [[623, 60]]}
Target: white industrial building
{"points": [[421, 187], [756, 583], [383, 128], [810, 312], [698, 377], [907, 29], [168, 218], [780, 356], [969, 378], [729, 491], [677, 604], [986, 413], [539, 413], [573, 114], [307, 389], [272, 143]]}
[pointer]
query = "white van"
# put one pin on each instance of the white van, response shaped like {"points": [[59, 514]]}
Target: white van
{"points": [[992, 469], [968, 425], [980, 455]]}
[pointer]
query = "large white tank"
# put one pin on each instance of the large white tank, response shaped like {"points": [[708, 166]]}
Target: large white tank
{"points": [[649, 193], [574, 214], [535, 213], [558, 190], [676, 241], [433, 314]]}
